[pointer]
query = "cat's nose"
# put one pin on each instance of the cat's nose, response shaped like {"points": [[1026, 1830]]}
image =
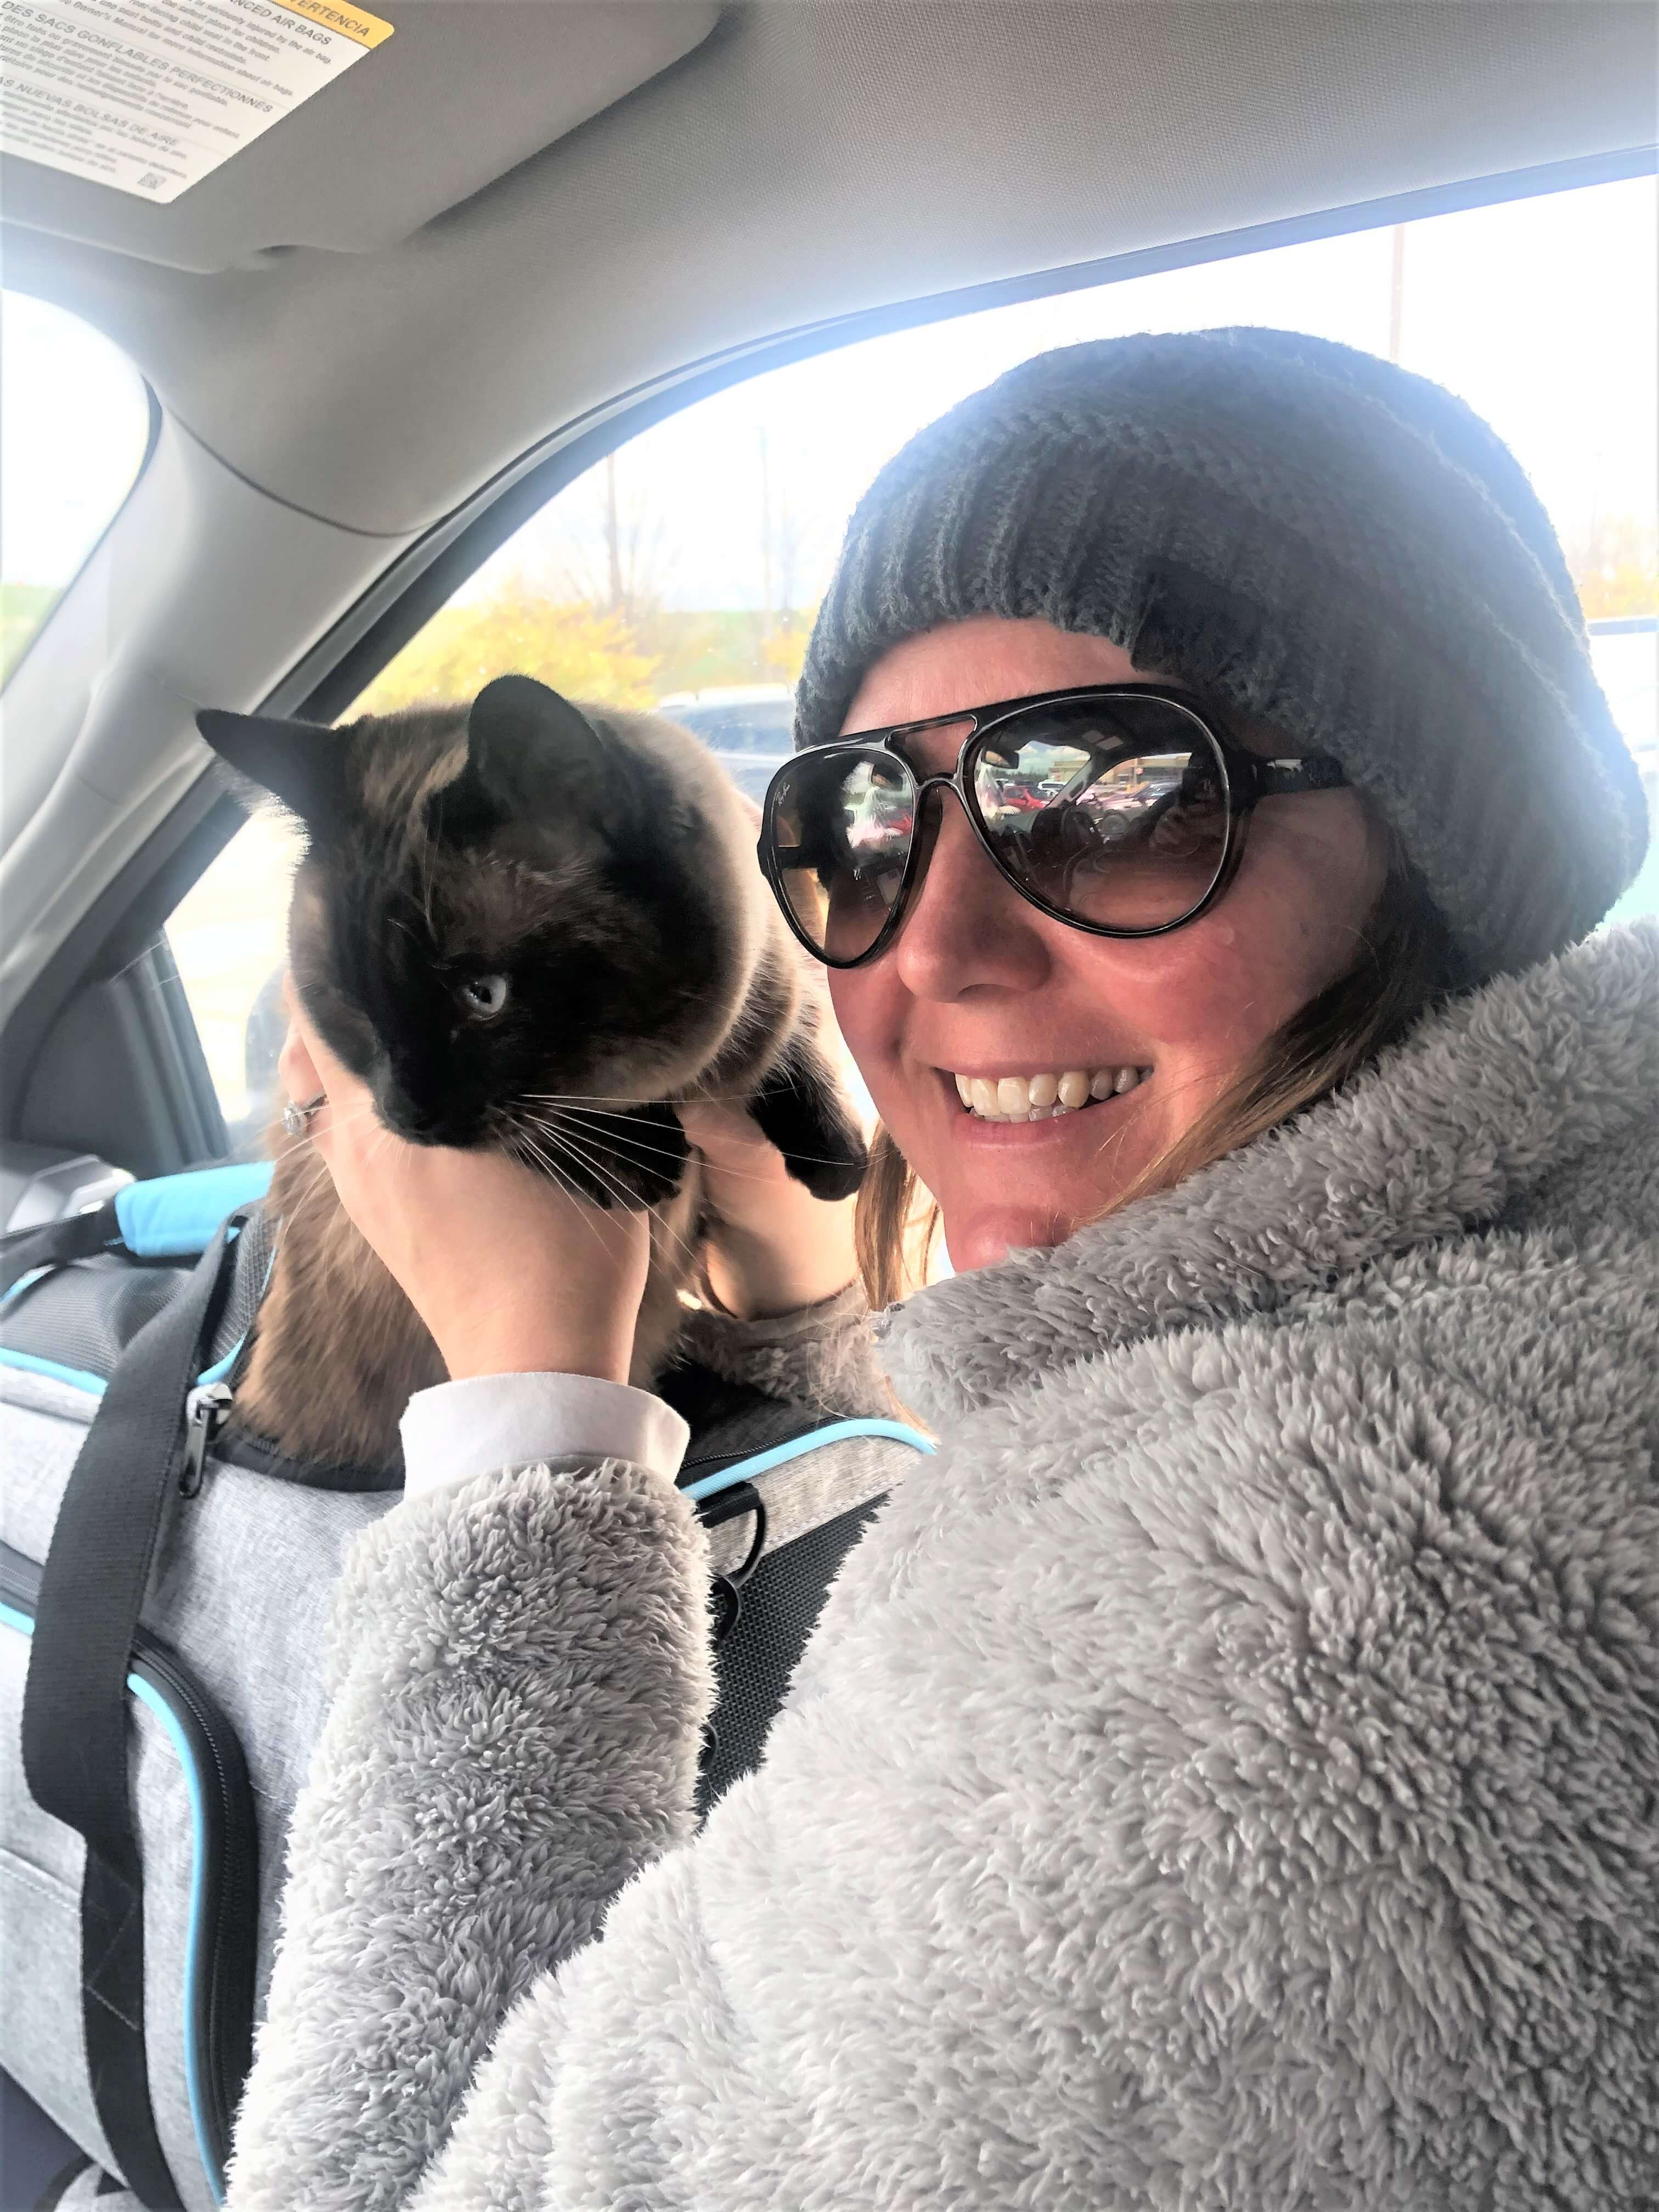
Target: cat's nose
{"points": [[405, 1115]]}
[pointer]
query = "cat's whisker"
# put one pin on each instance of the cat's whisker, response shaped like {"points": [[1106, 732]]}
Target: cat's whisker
{"points": [[748, 1174], [594, 1112], [641, 1150], [594, 1099], [641, 1156], [689, 1242], [595, 1164], [532, 1148], [605, 1176], [541, 1162], [620, 1140], [286, 1227]]}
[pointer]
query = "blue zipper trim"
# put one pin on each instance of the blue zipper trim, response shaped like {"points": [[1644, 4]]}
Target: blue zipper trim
{"points": [[838, 1432], [77, 1378], [147, 1695]]}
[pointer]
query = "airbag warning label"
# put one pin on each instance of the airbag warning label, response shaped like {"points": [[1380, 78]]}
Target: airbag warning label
{"points": [[149, 95]]}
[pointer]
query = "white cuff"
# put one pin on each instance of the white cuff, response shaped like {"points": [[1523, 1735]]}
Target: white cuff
{"points": [[457, 1430]]}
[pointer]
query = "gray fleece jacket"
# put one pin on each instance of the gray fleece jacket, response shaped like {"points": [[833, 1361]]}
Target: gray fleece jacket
{"points": [[1226, 1777]]}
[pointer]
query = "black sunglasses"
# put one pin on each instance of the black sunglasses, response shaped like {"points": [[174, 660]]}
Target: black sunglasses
{"points": [[1119, 809]]}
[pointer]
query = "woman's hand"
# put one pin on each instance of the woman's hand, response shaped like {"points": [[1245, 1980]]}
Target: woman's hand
{"points": [[509, 1273], [773, 1248]]}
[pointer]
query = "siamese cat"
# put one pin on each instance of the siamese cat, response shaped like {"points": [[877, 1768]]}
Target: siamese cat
{"points": [[532, 928]]}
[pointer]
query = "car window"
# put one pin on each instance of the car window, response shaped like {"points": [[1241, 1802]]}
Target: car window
{"points": [[73, 429], [1625, 651], [683, 571], [228, 935]]}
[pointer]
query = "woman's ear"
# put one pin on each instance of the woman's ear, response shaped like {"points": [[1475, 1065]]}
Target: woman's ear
{"points": [[802, 1108]]}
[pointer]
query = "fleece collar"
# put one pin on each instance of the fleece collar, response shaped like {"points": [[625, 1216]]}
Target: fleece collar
{"points": [[1484, 1099]]}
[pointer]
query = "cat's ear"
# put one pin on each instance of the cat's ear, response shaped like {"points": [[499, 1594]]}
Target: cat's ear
{"points": [[301, 763], [531, 755]]}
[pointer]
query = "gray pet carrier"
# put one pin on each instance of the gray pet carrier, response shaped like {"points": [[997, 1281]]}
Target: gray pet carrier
{"points": [[164, 1597]]}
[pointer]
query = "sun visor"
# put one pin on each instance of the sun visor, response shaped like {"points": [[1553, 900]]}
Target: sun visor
{"points": [[284, 123]]}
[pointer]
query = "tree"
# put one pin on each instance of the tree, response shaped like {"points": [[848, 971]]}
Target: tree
{"points": [[604, 541], [582, 651], [1615, 567]]}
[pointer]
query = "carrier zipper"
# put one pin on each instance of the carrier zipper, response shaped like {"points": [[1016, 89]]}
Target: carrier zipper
{"points": [[238, 1903], [222, 2008], [206, 1411]]}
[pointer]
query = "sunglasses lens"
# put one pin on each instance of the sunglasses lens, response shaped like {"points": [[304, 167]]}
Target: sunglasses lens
{"points": [[1109, 811], [840, 823]]}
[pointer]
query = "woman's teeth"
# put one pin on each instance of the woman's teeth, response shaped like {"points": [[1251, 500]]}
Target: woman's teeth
{"points": [[1043, 1097]]}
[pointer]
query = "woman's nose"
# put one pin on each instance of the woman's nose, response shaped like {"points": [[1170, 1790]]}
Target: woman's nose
{"points": [[967, 928]]}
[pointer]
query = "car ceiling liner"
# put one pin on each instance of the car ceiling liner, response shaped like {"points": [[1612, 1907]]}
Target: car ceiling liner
{"points": [[458, 93]]}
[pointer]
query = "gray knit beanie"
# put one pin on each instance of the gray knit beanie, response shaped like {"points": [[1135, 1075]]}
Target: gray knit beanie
{"points": [[1308, 537]]}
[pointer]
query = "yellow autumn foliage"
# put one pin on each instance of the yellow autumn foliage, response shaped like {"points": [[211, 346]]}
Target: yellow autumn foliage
{"points": [[1616, 569], [586, 652]]}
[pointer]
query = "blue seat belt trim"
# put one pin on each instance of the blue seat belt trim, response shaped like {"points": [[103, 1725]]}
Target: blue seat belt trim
{"points": [[24, 1625], [837, 1432], [175, 1217]]}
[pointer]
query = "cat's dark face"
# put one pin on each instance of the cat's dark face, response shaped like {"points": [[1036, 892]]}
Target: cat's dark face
{"points": [[500, 908]]}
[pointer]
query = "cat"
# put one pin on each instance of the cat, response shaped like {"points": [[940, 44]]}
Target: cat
{"points": [[533, 927]]}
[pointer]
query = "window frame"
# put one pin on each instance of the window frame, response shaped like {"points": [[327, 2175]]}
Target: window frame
{"points": [[426, 575]]}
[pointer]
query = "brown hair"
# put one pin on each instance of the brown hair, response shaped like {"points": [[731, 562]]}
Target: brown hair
{"points": [[1405, 964]]}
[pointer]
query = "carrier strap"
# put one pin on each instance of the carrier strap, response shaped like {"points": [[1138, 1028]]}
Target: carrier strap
{"points": [[78, 1236], [75, 1702]]}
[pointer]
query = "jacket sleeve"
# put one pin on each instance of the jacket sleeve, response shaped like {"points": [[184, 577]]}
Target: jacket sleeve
{"points": [[520, 1677]]}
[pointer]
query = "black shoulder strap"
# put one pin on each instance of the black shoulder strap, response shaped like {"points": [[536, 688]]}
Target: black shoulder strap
{"points": [[76, 1238], [75, 1703]]}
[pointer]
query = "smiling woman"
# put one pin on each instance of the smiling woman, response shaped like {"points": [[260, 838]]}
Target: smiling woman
{"points": [[1197, 1790], [75, 422]]}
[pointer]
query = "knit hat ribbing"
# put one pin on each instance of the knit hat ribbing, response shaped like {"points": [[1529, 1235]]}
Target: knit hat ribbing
{"points": [[1308, 536]]}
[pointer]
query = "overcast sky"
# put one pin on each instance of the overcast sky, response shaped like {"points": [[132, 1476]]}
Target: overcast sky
{"points": [[1544, 314]]}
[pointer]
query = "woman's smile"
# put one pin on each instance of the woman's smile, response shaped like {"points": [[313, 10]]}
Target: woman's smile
{"points": [[1074, 1112], [993, 1095]]}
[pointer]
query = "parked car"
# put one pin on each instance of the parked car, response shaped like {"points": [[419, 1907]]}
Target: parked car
{"points": [[749, 727]]}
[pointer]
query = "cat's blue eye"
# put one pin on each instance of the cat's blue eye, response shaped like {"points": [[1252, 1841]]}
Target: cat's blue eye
{"points": [[483, 996]]}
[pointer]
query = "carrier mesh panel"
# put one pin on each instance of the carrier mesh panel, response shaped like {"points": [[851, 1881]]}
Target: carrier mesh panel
{"points": [[85, 1314], [254, 1251], [754, 1661]]}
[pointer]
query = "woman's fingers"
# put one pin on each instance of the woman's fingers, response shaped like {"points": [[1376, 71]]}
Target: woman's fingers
{"points": [[772, 1246], [508, 1271]]}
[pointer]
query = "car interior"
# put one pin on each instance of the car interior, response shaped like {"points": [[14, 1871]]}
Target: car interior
{"points": [[521, 236], [517, 235]]}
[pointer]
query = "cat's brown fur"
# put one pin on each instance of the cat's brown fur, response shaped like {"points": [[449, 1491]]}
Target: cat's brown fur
{"points": [[600, 863]]}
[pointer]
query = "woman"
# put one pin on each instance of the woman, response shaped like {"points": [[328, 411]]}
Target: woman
{"points": [[1229, 1775]]}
